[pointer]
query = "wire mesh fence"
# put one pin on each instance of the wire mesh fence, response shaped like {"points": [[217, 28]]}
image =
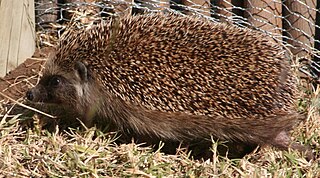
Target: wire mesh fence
{"points": [[295, 23]]}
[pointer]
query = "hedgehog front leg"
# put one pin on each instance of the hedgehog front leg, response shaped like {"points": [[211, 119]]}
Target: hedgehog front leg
{"points": [[283, 141]]}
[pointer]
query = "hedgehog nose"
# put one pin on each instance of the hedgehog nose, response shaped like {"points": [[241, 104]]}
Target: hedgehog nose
{"points": [[29, 95]]}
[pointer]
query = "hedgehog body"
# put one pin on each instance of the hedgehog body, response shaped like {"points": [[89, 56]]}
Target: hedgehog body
{"points": [[175, 78]]}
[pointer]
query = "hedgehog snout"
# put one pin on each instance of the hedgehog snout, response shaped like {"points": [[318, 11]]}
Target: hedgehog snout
{"points": [[29, 95], [37, 94]]}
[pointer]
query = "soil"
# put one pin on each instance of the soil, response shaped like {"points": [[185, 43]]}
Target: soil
{"points": [[26, 75]]}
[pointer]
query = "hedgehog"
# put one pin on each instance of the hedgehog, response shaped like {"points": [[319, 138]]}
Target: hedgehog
{"points": [[175, 78]]}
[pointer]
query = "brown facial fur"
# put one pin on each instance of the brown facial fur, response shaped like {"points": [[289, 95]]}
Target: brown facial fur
{"points": [[178, 78]]}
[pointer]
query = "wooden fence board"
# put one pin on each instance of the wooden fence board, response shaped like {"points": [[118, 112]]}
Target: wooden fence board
{"points": [[225, 9], [298, 28], [265, 15], [27, 35], [17, 33], [5, 6], [15, 30]]}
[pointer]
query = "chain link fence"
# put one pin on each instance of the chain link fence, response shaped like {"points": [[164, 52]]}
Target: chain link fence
{"points": [[295, 23]]}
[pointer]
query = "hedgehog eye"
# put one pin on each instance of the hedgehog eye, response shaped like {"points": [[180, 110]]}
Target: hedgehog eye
{"points": [[55, 81]]}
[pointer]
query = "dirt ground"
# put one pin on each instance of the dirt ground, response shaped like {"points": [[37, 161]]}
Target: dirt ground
{"points": [[18, 81]]}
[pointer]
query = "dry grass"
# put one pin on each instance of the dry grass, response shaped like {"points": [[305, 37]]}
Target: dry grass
{"points": [[38, 153]]}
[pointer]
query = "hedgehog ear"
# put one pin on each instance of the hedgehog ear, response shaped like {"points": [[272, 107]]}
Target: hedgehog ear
{"points": [[82, 70]]}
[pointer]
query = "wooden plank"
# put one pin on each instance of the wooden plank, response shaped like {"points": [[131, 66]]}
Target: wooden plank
{"points": [[225, 9], [15, 30], [298, 28], [5, 9], [202, 5], [17, 33], [27, 35], [265, 15]]}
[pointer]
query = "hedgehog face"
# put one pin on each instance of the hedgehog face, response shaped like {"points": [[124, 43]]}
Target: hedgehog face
{"points": [[52, 89], [60, 88]]}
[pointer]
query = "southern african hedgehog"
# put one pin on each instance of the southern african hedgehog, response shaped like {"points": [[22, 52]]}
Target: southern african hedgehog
{"points": [[176, 78]]}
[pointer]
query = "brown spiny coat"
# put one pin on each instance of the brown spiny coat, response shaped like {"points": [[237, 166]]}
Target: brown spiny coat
{"points": [[177, 78]]}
